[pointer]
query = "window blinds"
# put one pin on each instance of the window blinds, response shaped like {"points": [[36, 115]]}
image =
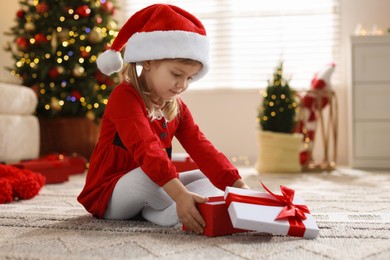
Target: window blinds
{"points": [[249, 37]]}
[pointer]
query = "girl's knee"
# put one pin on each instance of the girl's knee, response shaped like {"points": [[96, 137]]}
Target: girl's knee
{"points": [[191, 176]]}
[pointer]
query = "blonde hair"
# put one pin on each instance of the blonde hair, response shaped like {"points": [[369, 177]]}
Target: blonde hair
{"points": [[169, 109]]}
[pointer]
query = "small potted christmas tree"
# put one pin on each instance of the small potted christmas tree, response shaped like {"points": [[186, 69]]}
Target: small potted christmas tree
{"points": [[278, 146]]}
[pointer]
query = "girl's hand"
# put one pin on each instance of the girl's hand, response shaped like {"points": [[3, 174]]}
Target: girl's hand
{"points": [[188, 213], [186, 205], [240, 184]]}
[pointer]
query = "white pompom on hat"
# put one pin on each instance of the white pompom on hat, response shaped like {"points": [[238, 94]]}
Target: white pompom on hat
{"points": [[159, 31]]}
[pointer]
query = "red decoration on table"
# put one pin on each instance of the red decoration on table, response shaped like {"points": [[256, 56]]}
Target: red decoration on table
{"points": [[311, 118]]}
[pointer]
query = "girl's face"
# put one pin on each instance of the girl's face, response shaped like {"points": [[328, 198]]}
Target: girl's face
{"points": [[168, 78]]}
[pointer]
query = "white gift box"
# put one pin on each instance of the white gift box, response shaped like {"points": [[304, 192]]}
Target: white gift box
{"points": [[263, 218]]}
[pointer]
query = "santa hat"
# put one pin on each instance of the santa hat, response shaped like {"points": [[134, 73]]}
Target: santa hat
{"points": [[322, 78], [157, 32]]}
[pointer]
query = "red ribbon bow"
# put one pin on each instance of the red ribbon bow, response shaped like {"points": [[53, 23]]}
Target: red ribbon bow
{"points": [[289, 209], [295, 214]]}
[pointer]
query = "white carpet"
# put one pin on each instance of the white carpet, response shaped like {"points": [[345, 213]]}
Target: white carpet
{"points": [[352, 209]]}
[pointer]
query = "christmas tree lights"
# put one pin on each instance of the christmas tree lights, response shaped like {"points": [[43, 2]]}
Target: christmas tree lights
{"points": [[55, 50], [279, 106]]}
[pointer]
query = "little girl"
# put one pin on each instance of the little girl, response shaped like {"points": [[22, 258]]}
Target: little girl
{"points": [[130, 170]]}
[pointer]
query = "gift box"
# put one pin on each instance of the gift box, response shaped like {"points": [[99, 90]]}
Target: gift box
{"points": [[183, 162], [55, 167], [270, 213], [217, 218]]}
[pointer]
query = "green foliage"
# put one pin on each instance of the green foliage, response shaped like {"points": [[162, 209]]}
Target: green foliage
{"points": [[55, 44], [278, 110]]}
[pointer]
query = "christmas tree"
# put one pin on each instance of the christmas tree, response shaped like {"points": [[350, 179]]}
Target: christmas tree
{"points": [[279, 106], [55, 45]]}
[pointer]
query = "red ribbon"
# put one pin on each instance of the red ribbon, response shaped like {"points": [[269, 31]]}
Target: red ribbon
{"points": [[295, 214], [290, 209]]}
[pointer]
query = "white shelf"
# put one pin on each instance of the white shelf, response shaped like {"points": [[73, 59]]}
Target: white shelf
{"points": [[370, 102]]}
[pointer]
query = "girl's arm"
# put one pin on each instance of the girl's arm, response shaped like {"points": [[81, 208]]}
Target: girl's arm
{"points": [[186, 205], [214, 164]]}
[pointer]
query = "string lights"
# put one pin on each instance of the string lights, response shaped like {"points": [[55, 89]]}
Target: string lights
{"points": [[55, 51], [279, 106]]}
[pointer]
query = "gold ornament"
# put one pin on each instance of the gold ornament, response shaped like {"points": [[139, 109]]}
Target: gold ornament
{"points": [[37, 17], [30, 26], [95, 36], [55, 104], [78, 70], [111, 25], [63, 35], [60, 69], [54, 42], [95, 2], [90, 115]]}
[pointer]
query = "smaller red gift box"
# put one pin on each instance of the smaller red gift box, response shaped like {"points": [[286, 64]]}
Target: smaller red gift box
{"points": [[55, 167], [183, 162], [216, 216]]}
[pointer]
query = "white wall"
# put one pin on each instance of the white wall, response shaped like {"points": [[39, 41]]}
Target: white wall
{"points": [[8, 11], [228, 117]]}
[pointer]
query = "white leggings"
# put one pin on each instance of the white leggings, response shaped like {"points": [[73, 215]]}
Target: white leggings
{"points": [[135, 192]]}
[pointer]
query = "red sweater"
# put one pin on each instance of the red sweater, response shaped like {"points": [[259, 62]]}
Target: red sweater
{"points": [[128, 139]]}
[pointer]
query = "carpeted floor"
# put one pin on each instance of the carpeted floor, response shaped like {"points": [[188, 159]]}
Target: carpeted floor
{"points": [[352, 209]]}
